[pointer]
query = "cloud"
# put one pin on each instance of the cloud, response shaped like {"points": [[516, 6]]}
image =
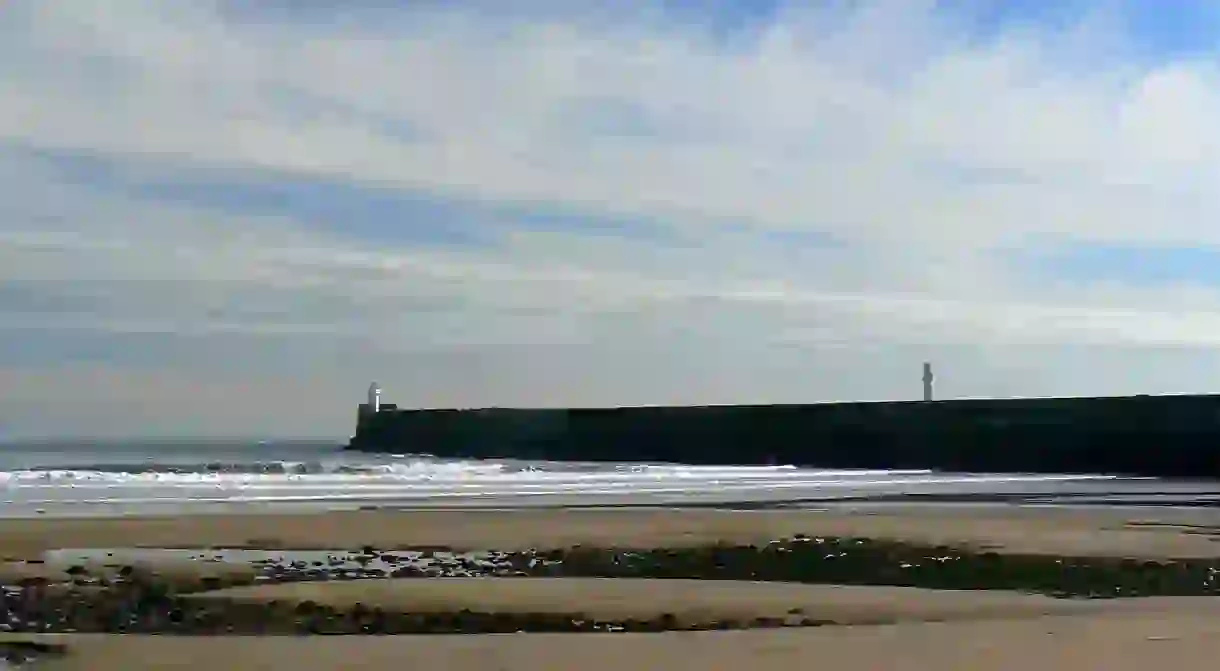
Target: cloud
{"points": [[564, 204]]}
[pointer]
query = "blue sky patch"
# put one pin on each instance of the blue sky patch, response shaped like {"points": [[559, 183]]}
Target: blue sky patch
{"points": [[1173, 28], [1141, 266], [363, 213], [1156, 27]]}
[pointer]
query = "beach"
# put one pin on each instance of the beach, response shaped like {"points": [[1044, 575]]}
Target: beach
{"points": [[1099, 532], [984, 629], [230, 556], [1179, 640]]}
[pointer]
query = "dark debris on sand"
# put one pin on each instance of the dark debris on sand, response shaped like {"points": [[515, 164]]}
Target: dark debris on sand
{"points": [[133, 599]]}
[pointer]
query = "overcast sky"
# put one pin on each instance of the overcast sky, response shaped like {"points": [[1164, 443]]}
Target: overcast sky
{"points": [[224, 217]]}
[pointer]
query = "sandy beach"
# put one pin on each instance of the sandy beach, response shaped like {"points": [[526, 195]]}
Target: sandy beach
{"points": [[981, 630], [1179, 640], [1049, 531]]}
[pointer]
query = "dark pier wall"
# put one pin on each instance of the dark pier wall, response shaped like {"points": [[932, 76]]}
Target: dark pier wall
{"points": [[1171, 436]]}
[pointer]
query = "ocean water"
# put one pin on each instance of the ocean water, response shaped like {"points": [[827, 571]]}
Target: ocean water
{"points": [[91, 478]]}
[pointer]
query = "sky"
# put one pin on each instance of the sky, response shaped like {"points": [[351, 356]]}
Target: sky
{"points": [[225, 218]]}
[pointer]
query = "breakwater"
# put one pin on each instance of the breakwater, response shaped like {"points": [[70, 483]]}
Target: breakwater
{"points": [[1161, 436]]}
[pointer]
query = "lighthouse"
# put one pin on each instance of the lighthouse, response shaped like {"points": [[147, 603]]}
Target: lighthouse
{"points": [[928, 378], [374, 398]]}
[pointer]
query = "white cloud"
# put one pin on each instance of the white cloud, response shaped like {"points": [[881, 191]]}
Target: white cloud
{"points": [[779, 132], [924, 154]]}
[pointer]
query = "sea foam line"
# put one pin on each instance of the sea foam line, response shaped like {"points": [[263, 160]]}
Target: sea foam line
{"points": [[448, 475], [410, 493]]}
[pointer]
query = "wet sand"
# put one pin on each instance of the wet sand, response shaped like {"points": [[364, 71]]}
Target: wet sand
{"points": [[1183, 639], [1180, 633], [1036, 531], [689, 602]]}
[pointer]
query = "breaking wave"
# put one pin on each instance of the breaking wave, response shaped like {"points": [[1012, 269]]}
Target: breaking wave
{"points": [[415, 469], [137, 479]]}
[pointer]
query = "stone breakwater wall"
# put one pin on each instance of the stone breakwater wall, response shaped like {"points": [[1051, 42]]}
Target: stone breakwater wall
{"points": [[1160, 436]]}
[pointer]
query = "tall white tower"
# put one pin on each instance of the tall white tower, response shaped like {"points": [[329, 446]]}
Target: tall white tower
{"points": [[928, 378], [374, 398]]}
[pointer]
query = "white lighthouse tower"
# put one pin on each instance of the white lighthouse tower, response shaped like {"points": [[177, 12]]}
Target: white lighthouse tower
{"points": [[928, 378], [374, 398]]}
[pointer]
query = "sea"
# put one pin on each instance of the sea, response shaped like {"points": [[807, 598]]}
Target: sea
{"points": [[106, 478]]}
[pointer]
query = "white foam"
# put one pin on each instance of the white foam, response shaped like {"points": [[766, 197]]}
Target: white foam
{"points": [[456, 472], [430, 482], [423, 481], [634, 489]]}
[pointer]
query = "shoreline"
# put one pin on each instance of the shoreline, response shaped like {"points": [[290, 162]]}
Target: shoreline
{"points": [[1082, 531], [1154, 502]]}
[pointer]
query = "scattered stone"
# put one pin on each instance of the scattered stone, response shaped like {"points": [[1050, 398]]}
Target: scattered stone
{"points": [[137, 591]]}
